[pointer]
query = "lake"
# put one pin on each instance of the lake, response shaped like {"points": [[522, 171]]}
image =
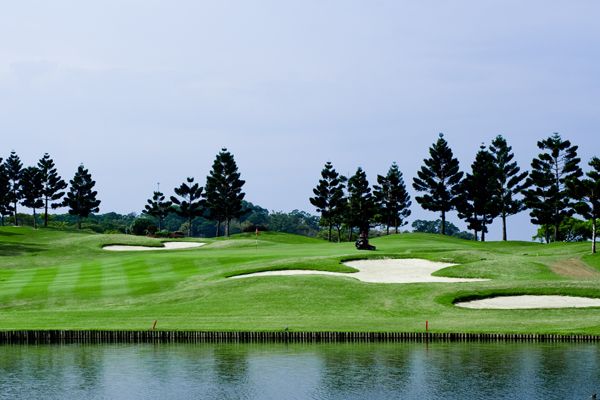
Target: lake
{"points": [[301, 371]]}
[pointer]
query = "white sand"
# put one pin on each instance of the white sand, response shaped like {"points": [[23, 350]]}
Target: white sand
{"points": [[167, 246], [409, 270], [525, 302]]}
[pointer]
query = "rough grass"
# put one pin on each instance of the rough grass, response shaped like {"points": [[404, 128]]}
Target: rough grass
{"points": [[53, 279]]}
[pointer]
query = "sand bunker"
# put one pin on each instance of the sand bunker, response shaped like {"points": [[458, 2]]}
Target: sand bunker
{"points": [[167, 246], [525, 302], [409, 270]]}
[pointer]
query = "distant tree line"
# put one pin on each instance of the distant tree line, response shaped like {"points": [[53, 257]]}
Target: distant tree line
{"points": [[219, 201], [351, 205], [553, 191], [39, 187]]}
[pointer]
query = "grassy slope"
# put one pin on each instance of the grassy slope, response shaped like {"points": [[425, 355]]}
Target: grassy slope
{"points": [[64, 280]]}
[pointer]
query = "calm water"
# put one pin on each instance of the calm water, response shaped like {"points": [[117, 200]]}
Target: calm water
{"points": [[322, 371]]}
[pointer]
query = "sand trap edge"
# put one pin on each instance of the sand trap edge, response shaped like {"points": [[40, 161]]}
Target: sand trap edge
{"points": [[529, 302], [166, 246]]}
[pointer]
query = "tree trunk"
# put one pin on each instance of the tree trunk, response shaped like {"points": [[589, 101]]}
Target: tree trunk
{"points": [[349, 233], [46, 213], [387, 230], [15, 211], [339, 232], [556, 227], [159, 223], [218, 233], [78, 222], [504, 227], [547, 234], [443, 228], [329, 234], [396, 227], [483, 233], [34, 222], [475, 234], [593, 235], [227, 222], [190, 226]]}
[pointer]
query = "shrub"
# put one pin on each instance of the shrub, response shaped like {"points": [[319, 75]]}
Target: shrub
{"points": [[143, 226]]}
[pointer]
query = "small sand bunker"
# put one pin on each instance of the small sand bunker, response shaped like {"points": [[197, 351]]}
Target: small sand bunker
{"points": [[408, 270], [167, 246], [528, 302]]}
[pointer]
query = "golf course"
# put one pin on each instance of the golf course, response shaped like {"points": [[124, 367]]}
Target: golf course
{"points": [[55, 279]]}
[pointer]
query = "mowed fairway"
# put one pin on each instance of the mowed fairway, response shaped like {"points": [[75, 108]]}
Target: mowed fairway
{"points": [[64, 280]]}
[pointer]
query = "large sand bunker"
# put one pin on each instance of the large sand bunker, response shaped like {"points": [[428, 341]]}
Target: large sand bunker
{"points": [[167, 246], [529, 302], [408, 270]]}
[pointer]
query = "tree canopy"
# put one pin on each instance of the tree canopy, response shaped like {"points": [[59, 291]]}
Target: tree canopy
{"points": [[14, 167], [478, 202], [223, 191], [586, 192], [53, 185], [392, 199], [329, 198], [548, 198], [158, 207], [81, 197], [439, 178], [190, 203]]}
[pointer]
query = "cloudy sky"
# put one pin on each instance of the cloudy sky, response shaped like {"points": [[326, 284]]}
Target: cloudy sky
{"points": [[148, 91]]}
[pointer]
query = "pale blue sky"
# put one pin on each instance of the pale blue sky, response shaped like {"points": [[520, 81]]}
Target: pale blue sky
{"points": [[149, 91]]}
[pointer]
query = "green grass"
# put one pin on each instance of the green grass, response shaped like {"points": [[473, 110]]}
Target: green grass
{"points": [[53, 279]]}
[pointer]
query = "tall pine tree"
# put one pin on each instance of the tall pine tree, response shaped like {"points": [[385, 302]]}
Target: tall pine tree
{"points": [[360, 204], [329, 198], [191, 204], [392, 199], [32, 188], [223, 191], [5, 193], [158, 207], [439, 178], [548, 197], [479, 201], [14, 166], [587, 193], [53, 184], [81, 199], [510, 181]]}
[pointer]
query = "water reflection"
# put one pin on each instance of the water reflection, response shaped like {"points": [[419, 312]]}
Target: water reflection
{"points": [[323, 371]]}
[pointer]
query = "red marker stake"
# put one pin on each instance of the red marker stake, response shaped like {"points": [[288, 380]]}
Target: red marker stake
{"points": [[426, 326]]}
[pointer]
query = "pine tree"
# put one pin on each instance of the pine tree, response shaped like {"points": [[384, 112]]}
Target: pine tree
{"points": [[32, 188], [14, 166], [549, 199], [223, 191], [478, 202], [329, 198], [439, 178], [192, 203], [81, 198], [158, 207], [510, 181], [53, 184], [466, 208], [587, 193], [360, 204], [392, 199], [5, 194]]}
